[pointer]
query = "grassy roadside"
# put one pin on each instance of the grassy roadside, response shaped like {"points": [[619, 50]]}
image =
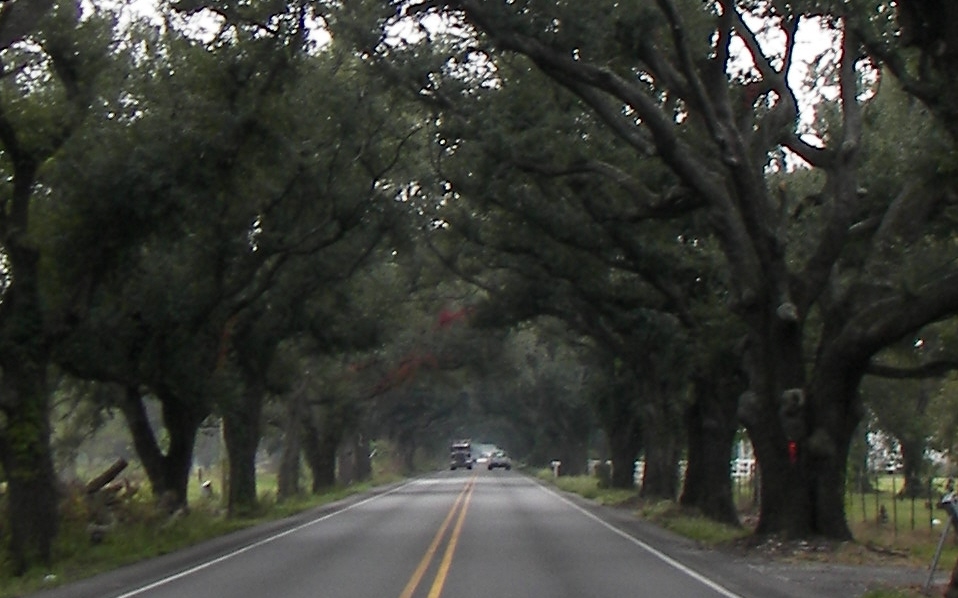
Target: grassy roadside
{"points": [[141, 532], [663, 513], [874, 544]]}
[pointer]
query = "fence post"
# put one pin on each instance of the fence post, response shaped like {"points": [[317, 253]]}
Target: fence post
{"points": [[861, 488], [877, 501], [931, 509], [894, 506]]}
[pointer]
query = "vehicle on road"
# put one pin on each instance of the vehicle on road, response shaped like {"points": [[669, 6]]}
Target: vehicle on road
{"points": [[460, 455], [499, 460]]}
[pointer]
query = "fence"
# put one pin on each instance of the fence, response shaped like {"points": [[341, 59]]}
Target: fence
{"points": [[877, 506], [881, 505]]}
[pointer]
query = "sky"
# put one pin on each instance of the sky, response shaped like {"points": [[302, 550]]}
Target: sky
{"points": [[204, 26], [811, 41]]}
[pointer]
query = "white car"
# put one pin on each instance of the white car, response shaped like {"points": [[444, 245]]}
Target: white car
{"points": [[499, 459]]}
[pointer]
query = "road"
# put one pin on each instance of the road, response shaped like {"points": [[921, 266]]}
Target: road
{"points": [[456, 534]]}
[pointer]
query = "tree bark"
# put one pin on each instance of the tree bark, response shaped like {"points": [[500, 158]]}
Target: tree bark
{"points": [[660, 480], [912, 459], [711, 425], [320, 442], [288, 482], [952, 590], [803, 470], [168, 473], [406, 449], [346, 461], [353, 458], [619, 414], [625, 443], [574, 457], [661, 433], [94, 485], [241, 431], [28, 463], [364, 463], [25, 441]]}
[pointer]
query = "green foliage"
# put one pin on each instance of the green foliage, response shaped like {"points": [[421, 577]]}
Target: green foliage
{"points": [[664, 513], [892, 593], [145, 532]]}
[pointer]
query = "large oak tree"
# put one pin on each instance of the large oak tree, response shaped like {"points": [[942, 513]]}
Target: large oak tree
{"points": [[818, 279]]}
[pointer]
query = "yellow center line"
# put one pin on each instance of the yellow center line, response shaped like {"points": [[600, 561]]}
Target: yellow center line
{"points": [[440, 580], [431, 551]]}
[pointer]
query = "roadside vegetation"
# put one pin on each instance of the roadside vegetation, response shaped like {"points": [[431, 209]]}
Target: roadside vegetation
{"points": [[567, 228], [668, 514], [143, 531], [901, 540]]}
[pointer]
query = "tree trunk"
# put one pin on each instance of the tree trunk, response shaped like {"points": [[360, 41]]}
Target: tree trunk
{"points": [[241, 431], [574, 458], [407, 447], [28, 463], [952, 590], [353, 458], [619, 414], [912, 459], [288, 482], [625, 443], [364, 463], [660, 480], [346, 461], [661, 441], [168, 473], [711, 425], [708, 484], [320, 443], [25, 399], [803, 479]]}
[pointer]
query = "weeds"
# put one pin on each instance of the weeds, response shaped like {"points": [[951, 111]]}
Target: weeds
{"points": [[665, 513], [141, 531]]}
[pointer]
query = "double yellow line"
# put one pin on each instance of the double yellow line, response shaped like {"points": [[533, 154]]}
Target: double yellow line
{"points": [[461, 505]]}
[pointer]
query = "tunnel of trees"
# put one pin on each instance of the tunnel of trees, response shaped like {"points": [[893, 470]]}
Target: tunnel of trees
{"points": [[579, 229]]}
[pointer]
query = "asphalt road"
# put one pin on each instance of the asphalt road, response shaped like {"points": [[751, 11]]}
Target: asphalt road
{"points": [[456, 534]]}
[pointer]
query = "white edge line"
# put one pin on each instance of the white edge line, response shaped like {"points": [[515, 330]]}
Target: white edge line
{"points": [[654, 552], [196, 568]]}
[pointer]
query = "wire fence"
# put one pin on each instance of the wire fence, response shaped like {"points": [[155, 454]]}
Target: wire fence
{"points": [[882, 503], [875, 502], [878, 503]]}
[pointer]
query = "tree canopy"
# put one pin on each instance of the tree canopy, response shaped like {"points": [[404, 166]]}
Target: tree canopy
{"points": [[412, 219]]}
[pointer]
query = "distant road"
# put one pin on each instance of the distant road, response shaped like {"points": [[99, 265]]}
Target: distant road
{"points": [[459, 534]]}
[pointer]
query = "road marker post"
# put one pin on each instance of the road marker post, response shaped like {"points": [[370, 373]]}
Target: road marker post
{"points": [[949, 502]]}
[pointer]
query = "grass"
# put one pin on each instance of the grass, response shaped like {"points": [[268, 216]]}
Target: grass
{"points": [[588, 487], [914, 542], [904, 538], [141, 532], [665, 513]]}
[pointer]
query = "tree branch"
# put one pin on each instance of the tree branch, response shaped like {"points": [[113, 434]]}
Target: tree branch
{"points": [[934, 369], [18, 18], [845, 199]]}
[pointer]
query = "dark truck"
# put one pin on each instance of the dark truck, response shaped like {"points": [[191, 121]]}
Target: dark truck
{"points": [[460, 455]]}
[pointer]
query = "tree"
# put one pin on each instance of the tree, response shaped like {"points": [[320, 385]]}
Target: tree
{"points": [[916, 41], [554, 227], [48, 92], [809, 287], [542, 388], [712, 420], [274, 191]]}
